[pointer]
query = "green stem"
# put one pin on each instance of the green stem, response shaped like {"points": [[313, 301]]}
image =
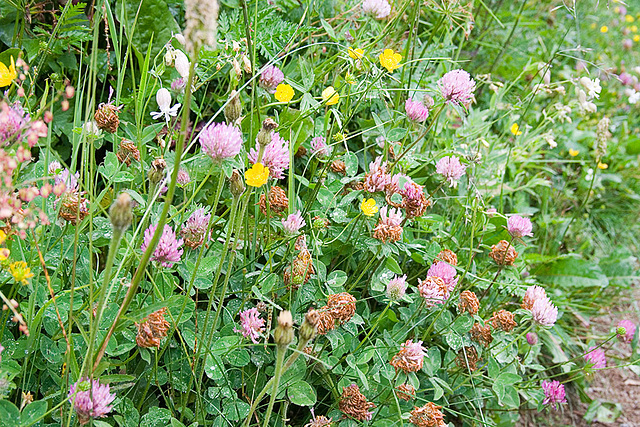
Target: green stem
{"points": [[282, 350]]}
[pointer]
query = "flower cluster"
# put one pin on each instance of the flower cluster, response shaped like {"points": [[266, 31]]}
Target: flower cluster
{"points": [[251, 325], [90, 399], [168, 250], [410, 357]]}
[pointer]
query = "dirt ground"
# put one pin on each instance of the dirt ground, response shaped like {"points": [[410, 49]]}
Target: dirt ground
{"points": [[618, 387]]}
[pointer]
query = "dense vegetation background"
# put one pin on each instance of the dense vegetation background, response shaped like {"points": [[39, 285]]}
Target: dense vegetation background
{"points": [[302, 213]]}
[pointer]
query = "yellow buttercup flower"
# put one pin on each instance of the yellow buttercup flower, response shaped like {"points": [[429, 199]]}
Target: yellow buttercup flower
{"points": [[604, 29], [7, 75], [629, 18], [4, 254], [3, 236], [368, 207], [284, 92], [356, 53], [390, 60], [602, 166], [348, 77], [636, 38], [634, 28], [515, 129], [257, 176], [20, 272], [573, 152], [330, 96]]}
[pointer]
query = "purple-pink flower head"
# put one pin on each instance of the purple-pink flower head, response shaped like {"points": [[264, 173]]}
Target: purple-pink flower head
{"points": [[270, 78], [183, 177], [195, 229], [629, 331], [251, 325], [451, 169], [416, 110], [596, 357], [446, 272], [390, 216], [293, 223], [319, 147], [532, 338], [553, 393], [543, 311], [12, 121], [275, 156], [519, 227], [397, 287], [90, 399], [457, 87], [379, 9], [168, 250], [433, 290], [70, 180], [220, 141], [377, 179]]}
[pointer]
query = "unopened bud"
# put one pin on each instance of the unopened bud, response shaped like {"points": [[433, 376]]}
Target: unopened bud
{"points": [[264, 136], [309, 326], [428, 101], [283, 334], [246, 64], [532, 338], [236, 185], [120, 213], [156, 173], [236, 67], [233, 110]]}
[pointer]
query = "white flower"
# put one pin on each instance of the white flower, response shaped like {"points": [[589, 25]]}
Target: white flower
{"points": [[163, 98], [634, 96], [592, 86], [182, 64], [586, 106], [550, 139], [180, 39], [91, 128]]}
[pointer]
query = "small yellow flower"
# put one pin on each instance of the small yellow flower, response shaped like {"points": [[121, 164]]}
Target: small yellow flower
{"points": [[390, 60], [602, 166], [284, 92], [20, 272], [515, 129], [634, 28], [604, 29], [349, 78], [7, 75], [4, 254], [330, 96], [368, 207], [573, 152], [3, 236], [257, 176], [629, 18], [356, 53], [636, 38]]}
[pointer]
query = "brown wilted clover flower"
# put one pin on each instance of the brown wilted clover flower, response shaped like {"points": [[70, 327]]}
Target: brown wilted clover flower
{"points": [[152, 330], [278, 201], [503, 319], [447, 256], [354, 404], [389, 227], [338, 166], [481, 334], [406, 392], [467, 358], [128, 152], [326, 322], [414, 201], [503, 253], [74, 207], [428, 415], [468, 302], [302, 267], [106, 117], [342, 306]]}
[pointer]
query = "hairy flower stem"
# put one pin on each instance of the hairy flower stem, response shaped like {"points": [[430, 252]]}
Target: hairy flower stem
{"points": [[113, 248], [418, 139], [500, 267], [302, 343], [282, 350], [162, 220]]}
